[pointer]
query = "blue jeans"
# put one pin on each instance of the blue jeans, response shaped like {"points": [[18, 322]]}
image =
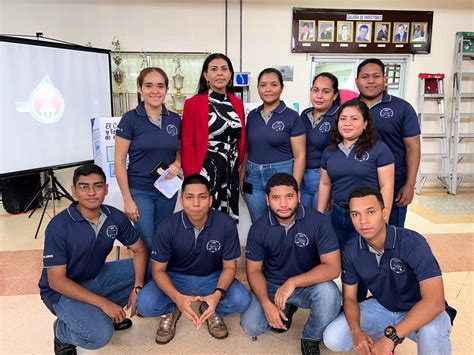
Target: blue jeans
{"points": [[152, 302], [153, 207], [397, 216], [310, 188], [87, 326], [342, 224], [432, 338], [258, 175], [323, 300]]}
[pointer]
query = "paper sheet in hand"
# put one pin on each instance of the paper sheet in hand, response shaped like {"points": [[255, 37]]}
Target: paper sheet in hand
{"points": [[168, 187]]}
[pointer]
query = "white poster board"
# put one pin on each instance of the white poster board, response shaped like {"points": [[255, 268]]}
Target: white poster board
{"points": [[103, 141]]}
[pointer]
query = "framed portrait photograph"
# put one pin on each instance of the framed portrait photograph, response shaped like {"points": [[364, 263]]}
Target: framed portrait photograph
{"points": [[419, 32], [345, 31], [363, 32], [325, 31], [382, 32], [400, 32], [307, 31]]}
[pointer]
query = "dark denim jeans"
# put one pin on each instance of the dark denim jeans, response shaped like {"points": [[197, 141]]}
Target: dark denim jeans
{"points": [[342, 224], [310, 188], [397, 216], [323, 300]]}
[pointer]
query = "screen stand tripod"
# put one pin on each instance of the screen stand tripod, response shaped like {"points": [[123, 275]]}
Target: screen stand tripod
{"points": [[52, 190]]}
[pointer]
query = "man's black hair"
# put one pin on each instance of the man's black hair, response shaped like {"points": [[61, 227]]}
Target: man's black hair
{"points": [[196, 179], [367, 191], [86, 170], [281, 179], [371, 61]]}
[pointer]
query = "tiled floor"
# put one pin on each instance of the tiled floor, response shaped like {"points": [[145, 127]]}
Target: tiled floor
{"points": [[26, 325]]}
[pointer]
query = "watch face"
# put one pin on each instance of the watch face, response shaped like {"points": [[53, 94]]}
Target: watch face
{"points": [[389, 331]]}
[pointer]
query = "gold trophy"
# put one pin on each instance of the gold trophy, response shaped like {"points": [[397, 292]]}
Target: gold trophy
{"points": [[178, 79]]}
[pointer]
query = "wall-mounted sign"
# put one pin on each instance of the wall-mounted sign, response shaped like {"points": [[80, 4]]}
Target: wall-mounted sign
{"points": [[361, 31], [241, 79]]}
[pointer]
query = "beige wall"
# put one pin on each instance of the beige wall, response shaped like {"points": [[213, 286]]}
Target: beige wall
{"points": [[199, 26]]}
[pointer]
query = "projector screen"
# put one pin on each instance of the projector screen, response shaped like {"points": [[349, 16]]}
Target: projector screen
{"points": [[48, 94]]}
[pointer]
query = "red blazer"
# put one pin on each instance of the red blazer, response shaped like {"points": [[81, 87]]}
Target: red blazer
{"points": [[195, 131]]}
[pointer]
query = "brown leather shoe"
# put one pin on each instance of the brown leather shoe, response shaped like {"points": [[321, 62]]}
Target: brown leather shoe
{"points": [[167, 327], [215, 323]]}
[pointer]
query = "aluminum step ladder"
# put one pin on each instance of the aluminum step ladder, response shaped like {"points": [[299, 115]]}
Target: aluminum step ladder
{"points": [[462, 148], [434, 136]]}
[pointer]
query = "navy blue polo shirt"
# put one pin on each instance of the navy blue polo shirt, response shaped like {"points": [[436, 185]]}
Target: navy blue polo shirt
{"points": [[395, 119], [317, 137], [175, 243], [270, 142], [70, 240], [149, 144], [287, 254], [406, 262], [349, 172]]}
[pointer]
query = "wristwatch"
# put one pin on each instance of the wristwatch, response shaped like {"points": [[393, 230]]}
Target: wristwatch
{"points": [[222, 291], [391, 333]]}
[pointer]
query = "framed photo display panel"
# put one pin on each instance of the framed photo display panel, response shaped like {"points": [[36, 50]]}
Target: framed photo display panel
{"points": [[361, 31]]}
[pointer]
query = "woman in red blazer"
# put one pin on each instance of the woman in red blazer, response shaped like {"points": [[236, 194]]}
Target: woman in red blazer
{"points": [[213, 133]]}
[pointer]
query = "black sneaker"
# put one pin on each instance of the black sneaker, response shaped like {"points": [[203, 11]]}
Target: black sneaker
{"points": [[309, 347], [125, 324], [62, 348], [289, 311]]}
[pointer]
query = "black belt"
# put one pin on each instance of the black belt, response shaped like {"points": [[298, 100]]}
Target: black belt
{"points": [[343, 205]]}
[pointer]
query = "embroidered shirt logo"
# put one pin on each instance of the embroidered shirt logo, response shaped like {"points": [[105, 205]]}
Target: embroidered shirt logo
{"points": [[213, 246], [325, 127], [363, 157], [301, 240], [172, 130], [112, 231], [278, 126], [397, 266], [386, 113]]}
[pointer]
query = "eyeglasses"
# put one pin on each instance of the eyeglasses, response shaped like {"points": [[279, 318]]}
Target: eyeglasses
{"points": [[97, 187]]}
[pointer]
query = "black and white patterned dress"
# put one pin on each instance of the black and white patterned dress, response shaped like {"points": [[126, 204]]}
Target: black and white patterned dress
{"points": [[221, 161]]}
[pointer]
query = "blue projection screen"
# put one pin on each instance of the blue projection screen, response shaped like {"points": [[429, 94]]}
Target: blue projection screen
{"points": [[48, 95]]}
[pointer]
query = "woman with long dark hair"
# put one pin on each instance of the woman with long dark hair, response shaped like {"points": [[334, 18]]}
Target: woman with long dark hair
{"points": [[319, 120], [148, 134], [353, 159], [213, 133], [276, 141]]}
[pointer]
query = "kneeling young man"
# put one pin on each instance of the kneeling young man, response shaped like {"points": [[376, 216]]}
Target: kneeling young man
{"points": [[399, 269], [195, 255], [292, 258], [77, 285]]}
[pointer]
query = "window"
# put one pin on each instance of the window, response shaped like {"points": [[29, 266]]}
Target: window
{"points": [[345, 69]]}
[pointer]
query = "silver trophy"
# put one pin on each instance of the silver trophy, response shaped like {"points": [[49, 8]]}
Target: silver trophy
{"points": [[119, 77], [178, 79]]}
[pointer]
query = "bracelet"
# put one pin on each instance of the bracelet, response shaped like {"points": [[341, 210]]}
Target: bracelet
{"points": [[139, 288]]}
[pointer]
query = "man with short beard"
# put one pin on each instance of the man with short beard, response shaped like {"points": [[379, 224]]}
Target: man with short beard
{"points": [[292, 257]]}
